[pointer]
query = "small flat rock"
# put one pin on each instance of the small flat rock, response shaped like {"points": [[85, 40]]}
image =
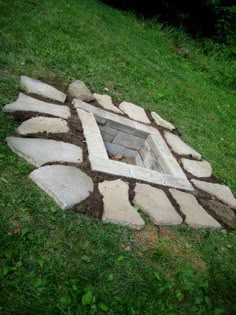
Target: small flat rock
{"points": [[43, 124], [67, 185], [162, 122], [41, 151], [134, 112], [106, 102], [181, 147], [40, 88], [117, 208], [27, 103], [222, 212], [196, 215], [219, 191], [78, 89], [156, 205], [197, 168]]}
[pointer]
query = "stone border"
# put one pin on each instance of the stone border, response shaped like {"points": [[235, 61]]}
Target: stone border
{"points": [[210, 202], [100, 161]]}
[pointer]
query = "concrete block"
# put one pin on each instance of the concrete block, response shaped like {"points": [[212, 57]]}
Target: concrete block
{"points": [[92, 135]]}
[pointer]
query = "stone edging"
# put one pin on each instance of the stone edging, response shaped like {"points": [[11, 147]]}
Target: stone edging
{"points": [[69, 184]]}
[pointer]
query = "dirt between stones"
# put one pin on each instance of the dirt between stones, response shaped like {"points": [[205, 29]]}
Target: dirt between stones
{"points": [[93, 205]]}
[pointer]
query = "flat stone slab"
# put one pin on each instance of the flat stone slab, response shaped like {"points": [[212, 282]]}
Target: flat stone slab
{"points": [[219, 191], [155, 203], [95, 144], [222, 212], [159, 121], [27, 103], [180, 147], [43, 124], [40, 88], [134, 112], [196, 216], [78, 89], [41, 151], [197, 168], [117, 208], [67, 185], [129, 141], [106, 102]]}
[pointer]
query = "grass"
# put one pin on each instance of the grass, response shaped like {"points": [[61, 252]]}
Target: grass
{"points": [[55, 262]]}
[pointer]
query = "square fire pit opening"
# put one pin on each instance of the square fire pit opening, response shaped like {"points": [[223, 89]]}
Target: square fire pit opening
{"points": [[127, 147], [120, 146]]}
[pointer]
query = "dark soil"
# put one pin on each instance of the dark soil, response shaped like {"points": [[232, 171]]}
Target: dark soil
{"points": [[22, 115], [45, 99], [224, 214]]}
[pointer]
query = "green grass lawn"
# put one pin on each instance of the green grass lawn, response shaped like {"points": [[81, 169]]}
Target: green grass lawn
{"points": [[56, 262]]}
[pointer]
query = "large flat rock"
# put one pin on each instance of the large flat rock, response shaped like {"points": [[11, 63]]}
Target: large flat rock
{"points": [[78, 89], [180, 147], [27, 103], [155, 203], [196, 216], [134, 112], [41, 151], [222, 212], [106, 102], [219, 191], [117, 208], [40, 88], [162, 122], [43, 124], [67, 185], [197, 168]]}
